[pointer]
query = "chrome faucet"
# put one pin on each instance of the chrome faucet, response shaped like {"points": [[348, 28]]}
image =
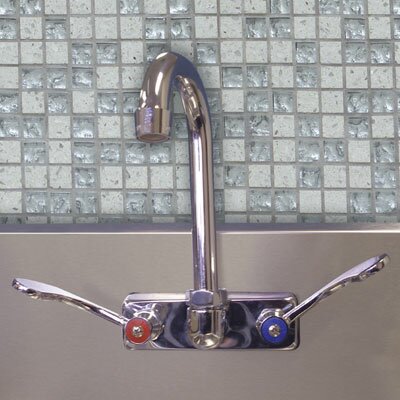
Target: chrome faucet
{"points": [[207, 316], [207, 303]]}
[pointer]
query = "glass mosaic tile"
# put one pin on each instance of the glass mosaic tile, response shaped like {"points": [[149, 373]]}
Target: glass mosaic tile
{"points": [[304, 97]]}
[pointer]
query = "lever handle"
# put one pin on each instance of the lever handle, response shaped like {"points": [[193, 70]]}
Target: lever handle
{"points": [[42, 291], [356, 274]]}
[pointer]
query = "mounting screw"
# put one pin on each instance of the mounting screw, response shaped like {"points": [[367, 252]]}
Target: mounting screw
{"points": [[273, 330], [138, 330]]}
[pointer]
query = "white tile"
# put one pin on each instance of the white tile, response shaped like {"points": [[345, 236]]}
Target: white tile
{"points": [[83, 102], [332, 101], [131, 52], [183, 202], [106, 27], [33, 102], [260, 219], [132, 77], [256, 52], [359, 151], [10, 202], [59, 127], [231, 27], [282, 76], [59, 152], [381, 77], [231, 51], [284, 150], [379, 27], [131, 27], [232, 100], [281, 51], [80, 6], [55, 7], [112, 202], [210, 77], [331, 77], [110, 177], [357, 77], [378, 7], [235, 200], [335, 201], [382, 126], [107, 77], [335, 176], [206, 6], [136, 177], [57, 53], [330, 52], [183, 47], [304, 27], [109, 126], [31, 52], [230, 6], [307, 101], [259, 176], [333, 126], [80, 27], [60, 177], [234, 150], [255, 6], [155, 6], [310, 201], [31, 27], [161, 177], [10, 177], [329, 27], [304, 6], [10, 51], [283, 125], [360, 176], [8, 77], [397, 52], [10, 151], [35, 177], [105, 7], [183, 177], [284, 176], [206, 27]]}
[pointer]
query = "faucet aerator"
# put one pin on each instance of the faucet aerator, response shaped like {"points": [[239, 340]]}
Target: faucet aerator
{"points": [[153, 124]]}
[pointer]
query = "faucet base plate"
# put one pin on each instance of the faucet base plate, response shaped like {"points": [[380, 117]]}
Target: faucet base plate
{"points": [[244, 308]]}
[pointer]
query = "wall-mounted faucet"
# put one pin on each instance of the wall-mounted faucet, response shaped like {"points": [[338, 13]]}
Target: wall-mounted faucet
{"points": [[207, 316]]}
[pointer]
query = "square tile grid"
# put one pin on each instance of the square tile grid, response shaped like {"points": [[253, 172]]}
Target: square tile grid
{"points": [[304, 96]]}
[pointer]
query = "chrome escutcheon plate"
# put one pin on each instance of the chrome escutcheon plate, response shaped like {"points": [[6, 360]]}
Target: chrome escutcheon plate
{"points": [[240, 331]]}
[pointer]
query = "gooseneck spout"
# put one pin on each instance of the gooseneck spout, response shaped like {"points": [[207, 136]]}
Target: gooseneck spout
{"points": [[207, 303]]}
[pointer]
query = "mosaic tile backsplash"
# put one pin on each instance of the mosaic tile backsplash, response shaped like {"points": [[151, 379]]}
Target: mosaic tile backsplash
{"points": [[304, 97]]}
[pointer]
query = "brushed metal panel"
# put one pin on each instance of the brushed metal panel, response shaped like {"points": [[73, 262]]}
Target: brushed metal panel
{"points": [[349, 344]]}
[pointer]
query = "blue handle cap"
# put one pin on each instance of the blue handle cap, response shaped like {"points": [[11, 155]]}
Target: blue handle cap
{"points": [[281, 330]]}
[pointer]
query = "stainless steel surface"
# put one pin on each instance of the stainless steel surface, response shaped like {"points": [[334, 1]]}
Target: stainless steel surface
{"points": [[42, 291], [153, 120], [356, 274], [239, 326], [247, 320], [48, 351]]}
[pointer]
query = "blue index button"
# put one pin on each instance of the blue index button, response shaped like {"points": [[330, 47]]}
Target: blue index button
{"points": [[274, 330]]}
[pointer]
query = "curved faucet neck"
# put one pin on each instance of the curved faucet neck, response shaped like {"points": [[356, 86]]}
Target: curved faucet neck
{"points": [[169, 71]]}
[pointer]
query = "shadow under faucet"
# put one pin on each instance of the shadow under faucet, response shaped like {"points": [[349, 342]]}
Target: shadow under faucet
{"points": [[207, 302]]}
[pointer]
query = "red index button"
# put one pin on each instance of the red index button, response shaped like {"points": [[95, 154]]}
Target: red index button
{"points": [[138, 330]]}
